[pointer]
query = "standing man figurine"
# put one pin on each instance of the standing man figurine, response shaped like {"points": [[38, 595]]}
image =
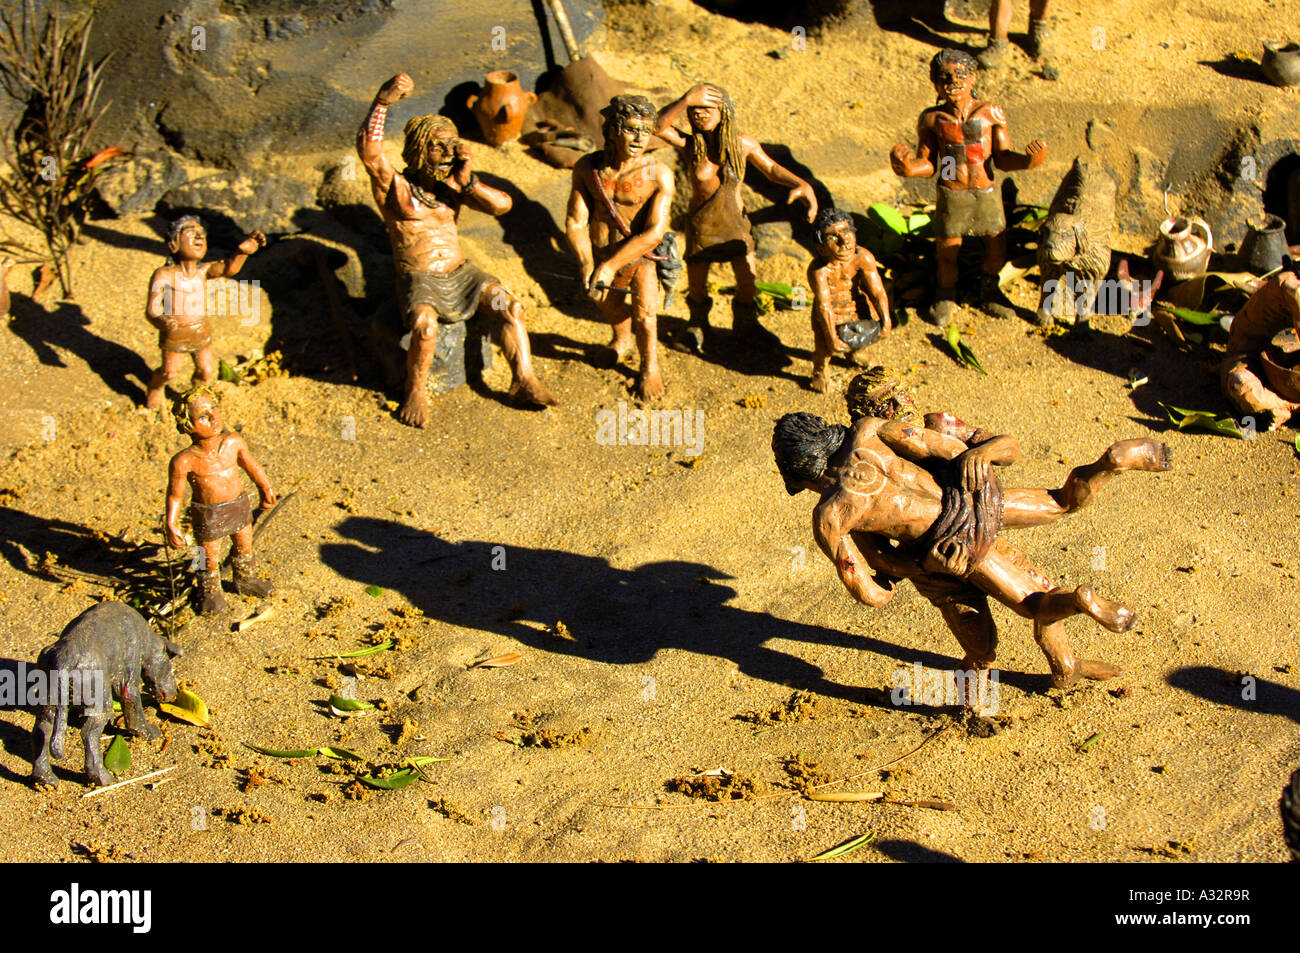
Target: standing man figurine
{"points": [[617, 216], [177, 306], [219, 507], [715, 154], [1000, 23], [961, 139], [420, 208]]}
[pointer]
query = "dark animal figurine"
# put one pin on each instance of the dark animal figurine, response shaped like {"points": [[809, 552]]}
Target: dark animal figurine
{"points": [[1074, 243], [102, 653]]}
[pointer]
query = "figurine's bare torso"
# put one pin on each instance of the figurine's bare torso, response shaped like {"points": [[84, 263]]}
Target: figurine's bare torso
{"points": [[424, 237]]}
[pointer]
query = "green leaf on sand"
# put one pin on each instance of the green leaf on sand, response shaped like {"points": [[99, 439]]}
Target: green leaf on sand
{"points": [[118, 756], [889, 217], [1194, 317], [339, 704], [400, 778], [338, 754], [847, 847], [188, 707], [374, 591], [1185, 419], [1297, 443], [228, 373], [371, 650], [965, 356]]}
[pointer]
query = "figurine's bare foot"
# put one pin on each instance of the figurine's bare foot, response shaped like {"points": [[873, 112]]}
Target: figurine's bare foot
{"points": [[415, 411], [1110, 615], [819, 383], [861, 357], [651, 385], [1140, 454], [1098, 670], [616, 350], [529, 390], [153, 399]]}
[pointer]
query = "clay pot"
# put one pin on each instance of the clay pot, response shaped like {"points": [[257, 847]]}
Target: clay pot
{"points": [[1263, 247], [500, 106], [1281, 63], [1184, 247]]}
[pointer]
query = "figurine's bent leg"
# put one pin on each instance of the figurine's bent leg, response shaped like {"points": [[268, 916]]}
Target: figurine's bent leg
{"points": [[1025, 506], [1249, 394], [506, 314], [211, 598], [745, 271], [698, 306], [246, 581], [645, 319], [820, 359], [42, 735], [133, 715], [172, 361], [972, 623], [424, 338], [992, 299], [92, 731], [946, 251], [205, 365]]}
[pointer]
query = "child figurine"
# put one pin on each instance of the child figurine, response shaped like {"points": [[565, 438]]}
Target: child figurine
{"points": [[850, 307], [716, 154], [178, 302], [220, 507], [961, 139]]}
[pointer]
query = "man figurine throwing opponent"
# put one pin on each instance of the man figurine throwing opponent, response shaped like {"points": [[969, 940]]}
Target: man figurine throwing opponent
{"points": [[420, 207]]}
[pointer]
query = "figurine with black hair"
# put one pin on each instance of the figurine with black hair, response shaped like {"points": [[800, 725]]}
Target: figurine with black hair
{"points": [[850, 308], [961, 140], [177, 306], [716, 154], [1253, 357], [904, 498], [219, 507], [435, 283], [616, 220]]}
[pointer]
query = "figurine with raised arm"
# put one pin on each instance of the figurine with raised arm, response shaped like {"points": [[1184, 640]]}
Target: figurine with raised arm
{"points": [[715, 154], [177, 306], [1253, 359], [961, 140], [420, 207], [616, 218], [885, 516], [219, 507], [850, 307]]}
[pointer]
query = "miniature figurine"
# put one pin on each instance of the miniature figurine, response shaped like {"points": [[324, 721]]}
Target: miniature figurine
{"points": [[102, 652], [435, 283], [1000, 23], [1074, 242], [6, 266], [850, 307], [961, 139], [178, 298], [1273, 307], [219, 507], [616, 220], [715, 154], [883, 517]]}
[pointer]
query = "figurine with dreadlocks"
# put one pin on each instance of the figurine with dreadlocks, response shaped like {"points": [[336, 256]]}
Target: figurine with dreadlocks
{"points": [[616, 218], [420, 207], [715, 154], [177, 305], [219, 507], [903, 498], [961, 140]]}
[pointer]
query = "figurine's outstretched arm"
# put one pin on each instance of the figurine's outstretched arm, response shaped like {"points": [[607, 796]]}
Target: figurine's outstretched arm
{"points": [[852, 567], [703, 94], [232, 265], [917, 443], [800, 191], [370, 137], [1010, 161], [255, 473], [176, 474], [577, 219]]}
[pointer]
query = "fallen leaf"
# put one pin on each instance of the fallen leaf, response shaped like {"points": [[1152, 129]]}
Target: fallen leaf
{"points": [[498, 661], [846, 797], [847, 847], [188, 707], [263, 616], [347, 707], [374, 591], [117, 758], [370, 650], [1204, 420]]}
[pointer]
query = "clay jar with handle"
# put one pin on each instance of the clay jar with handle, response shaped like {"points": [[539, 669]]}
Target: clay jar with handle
{"points": [[500, 106], [1184, 247]]}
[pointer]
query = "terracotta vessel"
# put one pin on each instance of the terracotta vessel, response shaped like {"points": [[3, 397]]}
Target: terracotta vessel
{"points": [[1281, 63], [1184, 247], [500, 106], [1263, 247]]}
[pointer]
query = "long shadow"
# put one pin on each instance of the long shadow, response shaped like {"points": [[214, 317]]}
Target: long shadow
{"points": [[910, 852], [1237, 69], [67, 328], [616, 616], [1222, 687]]}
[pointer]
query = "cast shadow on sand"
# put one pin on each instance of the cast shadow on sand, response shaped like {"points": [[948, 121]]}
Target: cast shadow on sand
{"points": [[616, 616], [1262, 696]]}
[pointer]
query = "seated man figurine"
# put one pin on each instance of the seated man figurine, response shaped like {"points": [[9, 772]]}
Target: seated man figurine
{"points": [[1274, 307], [850, 308], [220, 507], [884, 516]]}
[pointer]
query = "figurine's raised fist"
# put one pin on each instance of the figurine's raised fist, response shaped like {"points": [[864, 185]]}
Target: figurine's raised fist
{"points": [[899, 156], [399, 87], [252, 243], [1037, 152], [462, 171]]}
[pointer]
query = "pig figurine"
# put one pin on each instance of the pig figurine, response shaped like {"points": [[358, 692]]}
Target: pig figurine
{"points": [[102, 652]]}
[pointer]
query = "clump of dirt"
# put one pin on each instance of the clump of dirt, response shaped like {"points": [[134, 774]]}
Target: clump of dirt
{"points": [[356, 791], [720, 785], [450, 811], [99, 853], [212, 748], [804, 775], [334, 606], [533, 736], [247, 815], [800, 706], [255, 778]]}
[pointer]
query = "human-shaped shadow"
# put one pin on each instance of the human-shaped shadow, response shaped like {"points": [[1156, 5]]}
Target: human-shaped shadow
{"points": [[616, 616], [67, 328], [1261, 695]]}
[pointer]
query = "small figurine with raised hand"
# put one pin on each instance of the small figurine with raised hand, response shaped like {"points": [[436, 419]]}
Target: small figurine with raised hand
{"points": [[220, 507], [1253, 359], [420, 206], [961, 140], [177, 304], [716, 154], [616, 219], [850, 307]]}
